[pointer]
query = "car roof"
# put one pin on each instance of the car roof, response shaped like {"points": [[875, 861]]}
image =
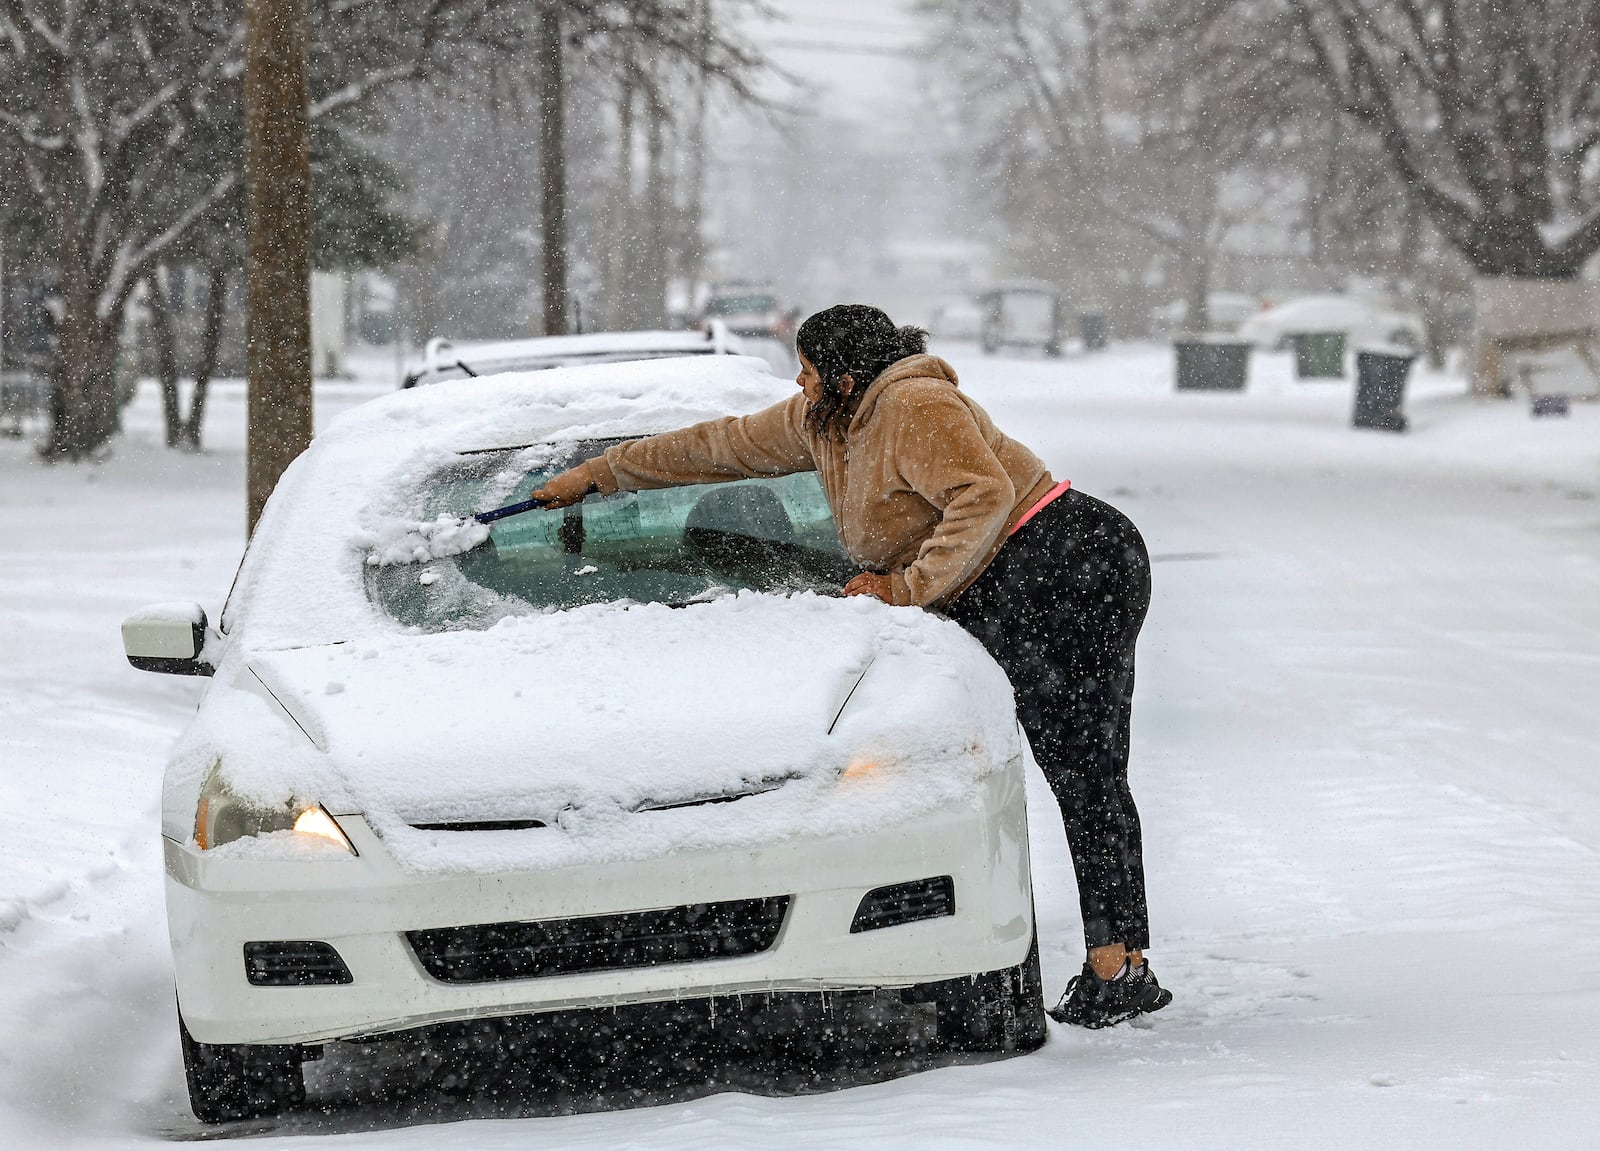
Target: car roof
{"points": [[484, 358], [562, 404]]}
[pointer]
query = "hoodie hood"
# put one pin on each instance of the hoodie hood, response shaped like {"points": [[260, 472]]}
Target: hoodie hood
{"points": [[923, 366]]}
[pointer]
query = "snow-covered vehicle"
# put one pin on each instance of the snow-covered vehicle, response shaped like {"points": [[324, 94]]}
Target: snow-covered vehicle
{"points": [[1225, 311], [444, 360], [1021, 314], [624, 752], [1369, 322], [749, 309]]}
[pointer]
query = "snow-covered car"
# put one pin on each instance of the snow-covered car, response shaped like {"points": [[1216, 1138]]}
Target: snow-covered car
{"points": [[445, 360], [748, 308], [1363, 322], [1021, 314], [1225, 311], [629, 751]]}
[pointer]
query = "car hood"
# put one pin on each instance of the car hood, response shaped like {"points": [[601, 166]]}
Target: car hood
{"points": [[577, 718]]}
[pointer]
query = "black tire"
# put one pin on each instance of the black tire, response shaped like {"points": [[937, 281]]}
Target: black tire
{"points": [[997, 1011], [240, 1081]]}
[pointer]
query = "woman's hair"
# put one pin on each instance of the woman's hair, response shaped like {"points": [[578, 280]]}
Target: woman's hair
{"points": [[855, 340]]}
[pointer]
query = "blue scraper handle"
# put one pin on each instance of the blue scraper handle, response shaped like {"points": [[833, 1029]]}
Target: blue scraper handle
{"points": [[516, 509]]}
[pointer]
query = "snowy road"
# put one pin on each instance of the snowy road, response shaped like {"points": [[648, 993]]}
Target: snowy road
{"points": [[1367, 750]]}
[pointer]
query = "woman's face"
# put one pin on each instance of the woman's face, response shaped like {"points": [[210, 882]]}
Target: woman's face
{"points": [[809, 379]]}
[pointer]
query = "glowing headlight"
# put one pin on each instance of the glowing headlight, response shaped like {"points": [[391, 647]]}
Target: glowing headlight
{"points": [[859, 768], [224, 817]]}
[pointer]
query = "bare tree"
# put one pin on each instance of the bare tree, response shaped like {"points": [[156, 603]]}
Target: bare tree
{"points": [[1106, 142], [183, 426], [122, 121], [1488, 113]]}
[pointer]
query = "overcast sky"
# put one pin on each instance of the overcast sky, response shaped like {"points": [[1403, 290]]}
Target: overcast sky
{"points": [[853, 55]]}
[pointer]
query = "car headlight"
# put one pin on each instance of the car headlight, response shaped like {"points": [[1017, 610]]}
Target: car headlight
{"points": [[223, 817], [860, 768]]}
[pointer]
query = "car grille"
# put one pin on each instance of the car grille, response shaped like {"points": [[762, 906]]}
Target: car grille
{"points": [[297, 963], [688, 934], [905, 903]]}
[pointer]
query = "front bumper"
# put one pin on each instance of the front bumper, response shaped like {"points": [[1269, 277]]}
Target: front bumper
{"points": [[364, 906]]}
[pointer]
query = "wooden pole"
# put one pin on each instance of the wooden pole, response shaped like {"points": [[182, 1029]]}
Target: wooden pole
{"points": [[278, 256], [553, 169]]}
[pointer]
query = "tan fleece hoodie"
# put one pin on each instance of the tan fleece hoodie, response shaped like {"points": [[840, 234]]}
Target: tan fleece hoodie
{"points": [[923, 486]]}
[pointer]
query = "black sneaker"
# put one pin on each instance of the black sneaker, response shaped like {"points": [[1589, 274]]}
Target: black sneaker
{"points": [[1090, 1001]]}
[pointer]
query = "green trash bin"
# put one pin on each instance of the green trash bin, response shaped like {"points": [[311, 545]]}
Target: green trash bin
{"points": [[1380, 388], [1210, 364], [1092, 325], [1319, 355]]}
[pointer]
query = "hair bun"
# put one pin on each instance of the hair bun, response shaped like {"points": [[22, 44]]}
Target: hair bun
{"points": [[913, 340]]}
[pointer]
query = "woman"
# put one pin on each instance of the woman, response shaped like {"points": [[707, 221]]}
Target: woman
{"points": [[944, 511]]}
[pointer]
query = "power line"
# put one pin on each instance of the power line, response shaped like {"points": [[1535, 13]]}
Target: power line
{"points": [[838, 49], [836, 24]]}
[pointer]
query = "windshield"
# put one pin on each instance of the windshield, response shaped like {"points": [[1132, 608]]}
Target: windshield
{"points": [[740, 305], [671, 545]]}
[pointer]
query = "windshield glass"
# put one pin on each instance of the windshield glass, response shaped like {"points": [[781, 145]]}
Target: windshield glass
{"points": [[672, 545], [740, 305]]}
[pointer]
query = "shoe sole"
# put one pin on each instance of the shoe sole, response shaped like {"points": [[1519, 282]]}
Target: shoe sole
{"points": [[1164, 998]]}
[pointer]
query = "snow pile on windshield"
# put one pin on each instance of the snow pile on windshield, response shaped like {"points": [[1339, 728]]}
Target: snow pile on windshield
{"points": [[403, 543], [604, 722], [351, 494]]}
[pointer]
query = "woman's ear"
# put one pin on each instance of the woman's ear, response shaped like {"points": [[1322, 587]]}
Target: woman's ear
{"points": [[847, 384]]}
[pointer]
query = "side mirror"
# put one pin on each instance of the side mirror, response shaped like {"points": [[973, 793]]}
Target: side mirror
{"points": [[169, 638]]}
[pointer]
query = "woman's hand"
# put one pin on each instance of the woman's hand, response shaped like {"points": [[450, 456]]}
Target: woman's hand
{"points": [[568, 488], [868, 583]]}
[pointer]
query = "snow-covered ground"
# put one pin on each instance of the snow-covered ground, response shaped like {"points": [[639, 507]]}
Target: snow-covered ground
{"points": [[1366, 750]]}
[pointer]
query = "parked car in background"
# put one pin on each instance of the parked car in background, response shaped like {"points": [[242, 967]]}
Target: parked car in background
{"points": [[747, 308], [430, 785], [1364, 321], [1021, 314], [444, 360], [1225, 312], [961, 320]]}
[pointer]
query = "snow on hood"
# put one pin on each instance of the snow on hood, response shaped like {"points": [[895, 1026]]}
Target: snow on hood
{"points": [[301, 581], [580, 718]]}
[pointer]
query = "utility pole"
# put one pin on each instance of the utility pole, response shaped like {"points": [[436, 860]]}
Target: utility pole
{"points": [[277, 164], [619, 286], [553, 168], [693, 255]]}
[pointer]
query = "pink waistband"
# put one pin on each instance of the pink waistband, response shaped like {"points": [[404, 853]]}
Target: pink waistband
{"points": [[1059, 489]]}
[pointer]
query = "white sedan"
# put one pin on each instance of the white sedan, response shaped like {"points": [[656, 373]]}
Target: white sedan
{"points": [[626, 752], [1365, 322]]}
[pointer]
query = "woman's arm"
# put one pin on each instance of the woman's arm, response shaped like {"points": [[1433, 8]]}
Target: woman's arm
{"points": [[771, 442]]}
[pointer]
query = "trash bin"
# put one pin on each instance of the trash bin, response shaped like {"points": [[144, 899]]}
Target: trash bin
{"points": [[1092, 327], [1319, 355], [1380, 388], [1212, 364]]}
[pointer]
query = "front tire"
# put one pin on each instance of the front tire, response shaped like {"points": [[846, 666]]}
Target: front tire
{"points": [[239, 1080], [996, 1011]]}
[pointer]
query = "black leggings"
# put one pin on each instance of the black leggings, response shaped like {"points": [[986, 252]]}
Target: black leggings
{"points": [[1059, 609]]}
